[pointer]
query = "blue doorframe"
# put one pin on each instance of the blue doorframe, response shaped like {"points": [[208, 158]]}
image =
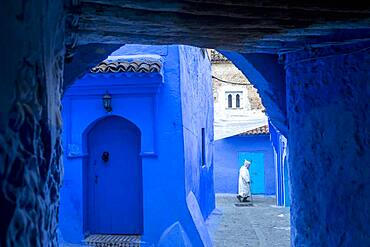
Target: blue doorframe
{"points": [[113, 184], [256, 170]]}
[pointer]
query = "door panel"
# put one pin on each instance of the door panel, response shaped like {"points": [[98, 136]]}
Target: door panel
{"points": [[256, 170], [115, 185]]}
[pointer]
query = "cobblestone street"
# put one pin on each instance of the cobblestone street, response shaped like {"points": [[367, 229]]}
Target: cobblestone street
{"points": [[260, 225]]}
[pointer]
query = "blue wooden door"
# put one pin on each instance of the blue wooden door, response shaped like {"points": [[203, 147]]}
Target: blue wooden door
{"points": [[114, 184], [256, 170]]}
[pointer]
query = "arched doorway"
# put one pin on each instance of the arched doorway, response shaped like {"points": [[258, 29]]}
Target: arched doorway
{"points": [[113, 178]]}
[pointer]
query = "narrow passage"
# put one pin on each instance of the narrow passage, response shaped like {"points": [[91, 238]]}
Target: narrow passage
{"points": [[260, 225]]}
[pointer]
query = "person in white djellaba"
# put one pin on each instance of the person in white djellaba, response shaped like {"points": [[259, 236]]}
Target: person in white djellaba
{"points": [[244, 189]]}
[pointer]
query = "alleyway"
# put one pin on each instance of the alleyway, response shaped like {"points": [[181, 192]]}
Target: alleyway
{"points": [[262, 225]]}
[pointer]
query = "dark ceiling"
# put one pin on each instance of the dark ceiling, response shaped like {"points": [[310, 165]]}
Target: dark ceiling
{"points": [[267, 26]]}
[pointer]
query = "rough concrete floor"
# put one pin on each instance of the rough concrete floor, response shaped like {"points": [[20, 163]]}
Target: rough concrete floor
{"points": [[260, 225]]}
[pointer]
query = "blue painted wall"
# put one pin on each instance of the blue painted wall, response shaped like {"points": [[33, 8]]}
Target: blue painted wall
{"points": [[197, 113], [226, 164], [280, 147], [171, 195]]}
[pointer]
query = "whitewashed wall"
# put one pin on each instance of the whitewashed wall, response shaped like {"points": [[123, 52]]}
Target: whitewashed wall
{"points": [[233, 121]]}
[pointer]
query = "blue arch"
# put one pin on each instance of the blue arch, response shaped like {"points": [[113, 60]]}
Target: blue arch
{"points": [[91, 125], [266, 73]]}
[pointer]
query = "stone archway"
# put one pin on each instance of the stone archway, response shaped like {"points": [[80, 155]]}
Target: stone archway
{"points": [[326, 66], [268, 76]]}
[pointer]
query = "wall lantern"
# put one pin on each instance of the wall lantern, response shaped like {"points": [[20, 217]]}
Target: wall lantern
{"points": [[107, 102]]}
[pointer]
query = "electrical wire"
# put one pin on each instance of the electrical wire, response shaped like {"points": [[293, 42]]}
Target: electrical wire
{"points": [[230, 82]]}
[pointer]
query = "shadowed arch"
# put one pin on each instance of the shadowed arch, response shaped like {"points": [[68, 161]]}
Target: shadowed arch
{"points": [[268, 76]]}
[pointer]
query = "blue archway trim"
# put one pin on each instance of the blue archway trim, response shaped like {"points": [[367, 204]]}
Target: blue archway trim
{"points": [[268, 76]]}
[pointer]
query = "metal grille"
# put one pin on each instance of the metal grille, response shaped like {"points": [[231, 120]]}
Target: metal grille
{"points": [[100, 240]]}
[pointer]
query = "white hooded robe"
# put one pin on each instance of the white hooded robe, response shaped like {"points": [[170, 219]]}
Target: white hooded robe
{"points": [[244, 182]]}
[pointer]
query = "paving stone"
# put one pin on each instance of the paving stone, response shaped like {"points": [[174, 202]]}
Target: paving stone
{"points": [[260, 225]]}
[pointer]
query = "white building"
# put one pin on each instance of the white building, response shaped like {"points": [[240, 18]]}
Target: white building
{"points": [[237, 105]]}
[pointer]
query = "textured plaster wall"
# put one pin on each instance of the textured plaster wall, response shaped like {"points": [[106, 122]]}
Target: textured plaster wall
{"points": [[79, 114], [197, 113], [32, 45], [226, 164], [159, 113], [160, 120], [329, 145]]}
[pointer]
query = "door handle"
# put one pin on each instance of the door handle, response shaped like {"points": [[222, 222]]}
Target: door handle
{"points": [[96, 179], [105, 156]]}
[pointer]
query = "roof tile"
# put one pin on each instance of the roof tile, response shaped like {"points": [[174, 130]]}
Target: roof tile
{"points": [[116, 67], [263, 130]]}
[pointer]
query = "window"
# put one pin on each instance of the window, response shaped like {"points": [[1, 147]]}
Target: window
{"points": [[237, 101], [229, 101], [233, 99], [203, 147]]}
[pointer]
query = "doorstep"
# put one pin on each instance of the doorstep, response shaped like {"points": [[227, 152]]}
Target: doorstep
{"points": [[105, 240]]}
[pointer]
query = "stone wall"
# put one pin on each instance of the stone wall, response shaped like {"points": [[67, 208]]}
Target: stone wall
{"points": [[329, 146], [32, 45], [327, 102], [232, 76]]}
